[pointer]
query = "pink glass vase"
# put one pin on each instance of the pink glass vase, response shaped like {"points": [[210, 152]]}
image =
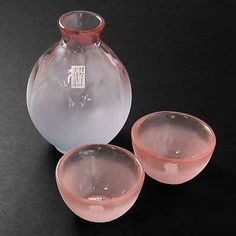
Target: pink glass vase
{"points": [[78, 91]]}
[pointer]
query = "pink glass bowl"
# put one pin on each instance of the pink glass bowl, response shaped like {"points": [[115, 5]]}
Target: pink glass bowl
{"points": [[99, 183], [173, 147]]}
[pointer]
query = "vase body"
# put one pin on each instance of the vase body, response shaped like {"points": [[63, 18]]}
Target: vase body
{"points": [[78, 91]]}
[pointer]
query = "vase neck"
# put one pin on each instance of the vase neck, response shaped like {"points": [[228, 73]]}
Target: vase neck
{"points": [[81, 27]]}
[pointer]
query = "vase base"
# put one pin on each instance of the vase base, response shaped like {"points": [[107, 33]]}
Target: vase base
{"points": [[59, 150]]}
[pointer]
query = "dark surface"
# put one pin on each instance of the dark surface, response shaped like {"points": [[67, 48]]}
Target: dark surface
{"points": [[179, 55]]}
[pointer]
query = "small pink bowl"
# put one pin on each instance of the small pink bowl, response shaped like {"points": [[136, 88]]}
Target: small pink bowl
{"points": [[173, 147], [99, 182]]}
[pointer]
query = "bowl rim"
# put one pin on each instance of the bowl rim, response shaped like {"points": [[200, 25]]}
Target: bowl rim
{"points": [[137, 186], [151, 154]]}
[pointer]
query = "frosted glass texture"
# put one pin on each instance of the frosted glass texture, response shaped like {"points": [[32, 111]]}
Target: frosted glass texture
{"points": [[99, 183], [78, 91], [173, 147]]}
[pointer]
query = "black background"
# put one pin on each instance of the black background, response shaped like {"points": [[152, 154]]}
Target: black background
{"points": [[179, 55]]}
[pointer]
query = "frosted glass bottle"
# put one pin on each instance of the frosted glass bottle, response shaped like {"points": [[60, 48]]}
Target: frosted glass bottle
{"points": [[78, 91]]}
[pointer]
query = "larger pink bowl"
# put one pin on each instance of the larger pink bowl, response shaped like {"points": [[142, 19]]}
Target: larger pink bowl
{"points": [[173, 147], [99, 183]]}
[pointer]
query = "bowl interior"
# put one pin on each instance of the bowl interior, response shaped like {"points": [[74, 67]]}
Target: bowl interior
{"points": [[174, 135], [99, 172]]}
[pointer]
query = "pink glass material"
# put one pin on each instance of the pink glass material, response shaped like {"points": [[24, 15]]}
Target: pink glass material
{"points": [[78, 91], [99, 183], [173, 147]]}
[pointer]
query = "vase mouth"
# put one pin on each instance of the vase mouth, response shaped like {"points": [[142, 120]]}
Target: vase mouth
{"points": [[81, 22]]}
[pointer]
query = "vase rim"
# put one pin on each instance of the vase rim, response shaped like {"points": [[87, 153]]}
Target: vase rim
{"points": [[70, 29]]}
